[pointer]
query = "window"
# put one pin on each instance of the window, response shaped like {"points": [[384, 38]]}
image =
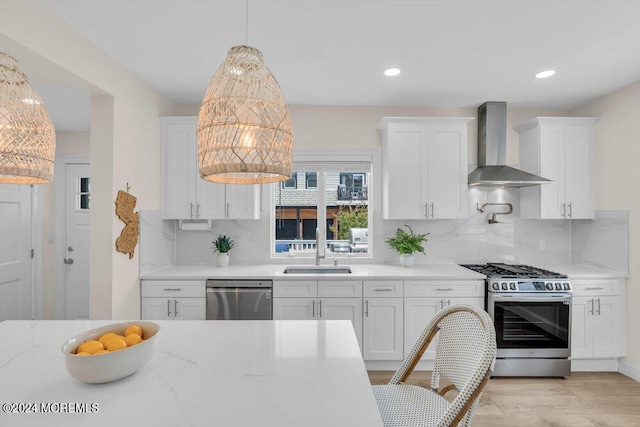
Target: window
{"points": [[343, 221], [291, 182], [83, 192], [311, 179]]}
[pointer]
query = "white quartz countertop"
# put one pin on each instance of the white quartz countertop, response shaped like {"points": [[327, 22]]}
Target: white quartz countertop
{"points": [[581, 271], [202, 373], [275, 271]]}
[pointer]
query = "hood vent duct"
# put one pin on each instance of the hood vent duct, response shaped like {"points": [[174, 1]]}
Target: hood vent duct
{"points": [[492, 152]]}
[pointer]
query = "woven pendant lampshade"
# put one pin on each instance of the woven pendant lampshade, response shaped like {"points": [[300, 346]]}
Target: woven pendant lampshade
{"points": [[27, 136], [244, 131]]}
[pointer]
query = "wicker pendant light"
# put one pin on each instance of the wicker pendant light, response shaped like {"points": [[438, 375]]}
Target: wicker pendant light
{"points": [[244, 130], [27, 136]]}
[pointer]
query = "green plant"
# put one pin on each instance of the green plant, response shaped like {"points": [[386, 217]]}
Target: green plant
{"points": [[223, 244], [407, 243], [347, 218]]}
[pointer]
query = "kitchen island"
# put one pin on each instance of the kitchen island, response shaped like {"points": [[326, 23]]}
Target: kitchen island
{"points": [[202, 373]]}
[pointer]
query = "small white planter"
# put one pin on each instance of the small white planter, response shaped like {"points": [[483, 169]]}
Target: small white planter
{"points": [[406, 260], [223, 259]]}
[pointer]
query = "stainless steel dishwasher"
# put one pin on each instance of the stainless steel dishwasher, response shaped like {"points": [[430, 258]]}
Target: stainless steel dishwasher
{"points": [[239, 299]]}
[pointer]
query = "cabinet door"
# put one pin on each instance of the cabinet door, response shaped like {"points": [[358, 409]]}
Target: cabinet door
{"points": [[210, 202], [578, 172], [157, 308], [294, 308], [382, 329], [343, 309], [447, 171], [189, 308], [178, 158], [243, 201], [552, 166], [404, 174], [417, 313], [581, 333], [606, 327]]}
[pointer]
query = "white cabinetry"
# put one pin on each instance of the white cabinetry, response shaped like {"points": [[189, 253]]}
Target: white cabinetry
{"points": [[424, 298], [185, 194], [560, 149], [173, 300], [424, 167], [320, 300], [383, 320], [597, 329]]}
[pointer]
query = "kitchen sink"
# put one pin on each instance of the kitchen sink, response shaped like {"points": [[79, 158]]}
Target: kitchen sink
{"points": [[317, 269]]}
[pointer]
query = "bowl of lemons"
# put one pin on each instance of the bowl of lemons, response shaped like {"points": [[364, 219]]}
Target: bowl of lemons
{"points": [[111, 352]]}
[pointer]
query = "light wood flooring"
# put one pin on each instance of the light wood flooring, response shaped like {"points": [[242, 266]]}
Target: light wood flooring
{"points": [[584, 399]]}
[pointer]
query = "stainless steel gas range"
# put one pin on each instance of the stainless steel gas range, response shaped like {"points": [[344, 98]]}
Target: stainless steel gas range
{"points": [[531, 311]]}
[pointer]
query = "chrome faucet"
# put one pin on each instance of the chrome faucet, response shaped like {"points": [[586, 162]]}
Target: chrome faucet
{"points": [[318, 256]]}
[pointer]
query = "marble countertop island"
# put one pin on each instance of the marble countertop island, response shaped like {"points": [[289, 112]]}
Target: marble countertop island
{"points": [[202, 373]]}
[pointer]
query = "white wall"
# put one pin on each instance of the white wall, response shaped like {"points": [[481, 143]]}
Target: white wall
{"points": [[617, 176], [124, 142]]}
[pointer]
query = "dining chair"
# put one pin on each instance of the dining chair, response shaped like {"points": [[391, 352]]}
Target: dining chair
{"points": [[465, 354]]}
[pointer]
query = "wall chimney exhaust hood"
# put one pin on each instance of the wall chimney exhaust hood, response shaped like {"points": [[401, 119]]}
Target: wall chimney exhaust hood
{"points": [[492, 152]]}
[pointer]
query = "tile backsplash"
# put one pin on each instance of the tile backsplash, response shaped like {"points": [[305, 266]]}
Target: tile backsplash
{"points": [[470, 240]]}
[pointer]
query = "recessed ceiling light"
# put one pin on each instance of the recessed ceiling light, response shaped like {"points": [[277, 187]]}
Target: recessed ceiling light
{"points": [[390, 72], [545, 74]]}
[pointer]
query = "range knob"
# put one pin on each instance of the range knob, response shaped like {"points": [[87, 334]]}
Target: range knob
{"points": [[495, 285], [512, 286], [549, 286], [558, 287], [504, 286], [566, 287]]}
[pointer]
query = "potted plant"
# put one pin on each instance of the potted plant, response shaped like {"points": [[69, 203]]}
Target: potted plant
{"points": [[223, 245], [406, 244]]}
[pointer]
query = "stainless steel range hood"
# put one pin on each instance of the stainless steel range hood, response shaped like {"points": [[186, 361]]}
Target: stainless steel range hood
{"points": [[492, 153]]}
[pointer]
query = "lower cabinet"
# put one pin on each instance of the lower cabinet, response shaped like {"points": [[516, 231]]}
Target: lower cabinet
{"points": [[597, 329], [320, 300], [382, 320], [423, 299], [173, 300]]}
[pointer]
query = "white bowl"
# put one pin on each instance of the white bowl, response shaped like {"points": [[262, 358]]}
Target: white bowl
{"points": [[107, 367]]}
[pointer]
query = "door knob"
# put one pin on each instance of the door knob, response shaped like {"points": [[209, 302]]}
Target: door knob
{"points": [[68, 261]]}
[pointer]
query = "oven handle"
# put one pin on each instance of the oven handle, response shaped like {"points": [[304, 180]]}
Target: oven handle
{"points": [[518, 298]]}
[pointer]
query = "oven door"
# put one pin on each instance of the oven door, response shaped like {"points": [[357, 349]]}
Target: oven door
{"points": [[531, 325]]}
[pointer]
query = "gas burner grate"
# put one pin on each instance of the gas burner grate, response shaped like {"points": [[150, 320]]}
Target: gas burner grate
{"points": [[516, 271]]}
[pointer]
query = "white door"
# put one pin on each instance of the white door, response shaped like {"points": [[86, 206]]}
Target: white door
{"points": [[16, 283], [294, 308], [382, 329], [76, 247]]}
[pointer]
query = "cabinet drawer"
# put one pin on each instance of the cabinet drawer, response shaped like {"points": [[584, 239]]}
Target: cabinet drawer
{"points": [[339, 288], [382, 288], [295, 288], [596, 287], [173, 288], [443, 288]]}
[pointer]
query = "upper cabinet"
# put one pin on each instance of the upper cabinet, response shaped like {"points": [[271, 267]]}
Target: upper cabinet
{"points": [[560, 149], [424, 167], [185, 194]]}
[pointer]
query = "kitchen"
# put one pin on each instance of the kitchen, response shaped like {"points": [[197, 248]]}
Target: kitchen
{"points": [[133, 114]]}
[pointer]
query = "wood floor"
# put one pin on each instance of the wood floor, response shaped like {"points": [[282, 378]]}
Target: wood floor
{"points": [[584, 399]]}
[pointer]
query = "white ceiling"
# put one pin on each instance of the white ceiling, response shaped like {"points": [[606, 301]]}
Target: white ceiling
{"points": [[453, 53]]}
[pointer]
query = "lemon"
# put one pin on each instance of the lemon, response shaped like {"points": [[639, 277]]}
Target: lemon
{"points": [[104, 338], [116, 343], [101, 352], [133, 329], [132, 339], [84, 353], [90, 347]]}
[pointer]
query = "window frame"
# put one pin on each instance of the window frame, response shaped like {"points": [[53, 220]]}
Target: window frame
{"points": [[306, 159]]}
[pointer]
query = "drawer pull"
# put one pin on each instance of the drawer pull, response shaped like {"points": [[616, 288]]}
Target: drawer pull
{"points": [[445, 289], [383, 289], [172, 289], [599, 288]]}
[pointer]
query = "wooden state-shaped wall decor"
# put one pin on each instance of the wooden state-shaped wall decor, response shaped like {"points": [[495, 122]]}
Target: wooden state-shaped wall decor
{"points": [[128, 239]]}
